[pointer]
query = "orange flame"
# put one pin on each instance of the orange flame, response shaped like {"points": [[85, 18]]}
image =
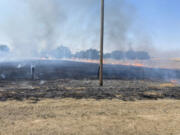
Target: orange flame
{"points": [[174, 81], [113, 62]]}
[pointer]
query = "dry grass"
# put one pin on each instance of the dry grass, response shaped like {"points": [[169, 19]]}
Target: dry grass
{"points": [[164, 85], [90, 117]]}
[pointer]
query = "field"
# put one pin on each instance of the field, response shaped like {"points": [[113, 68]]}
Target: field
{"points": [[65, 98], [81, 107], [90, 117]]}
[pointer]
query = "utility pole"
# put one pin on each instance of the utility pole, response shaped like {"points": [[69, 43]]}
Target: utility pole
{"points": [[101, 44]]}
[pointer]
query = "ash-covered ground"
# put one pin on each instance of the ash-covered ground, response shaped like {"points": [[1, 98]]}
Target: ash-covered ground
{"points": [[59, 69], [67, 79], [87, 89]]}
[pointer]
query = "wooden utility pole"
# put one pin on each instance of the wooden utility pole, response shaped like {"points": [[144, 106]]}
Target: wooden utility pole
{"points": [[101, 44]]}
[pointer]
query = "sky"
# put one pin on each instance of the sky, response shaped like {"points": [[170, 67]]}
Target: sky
{"points": [[140, 24], [161, 19]]}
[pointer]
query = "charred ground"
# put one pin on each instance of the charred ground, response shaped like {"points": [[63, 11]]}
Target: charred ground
{"points": [[59, 69], [66, 79], [87, 89]]}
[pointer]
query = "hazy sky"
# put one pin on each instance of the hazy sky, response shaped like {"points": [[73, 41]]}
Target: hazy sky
{"points": [[157, 21]]}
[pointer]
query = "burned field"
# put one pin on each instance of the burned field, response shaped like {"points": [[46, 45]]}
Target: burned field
{"points": [[87, 89], [59, 69], [64, 97], [79, 80]]}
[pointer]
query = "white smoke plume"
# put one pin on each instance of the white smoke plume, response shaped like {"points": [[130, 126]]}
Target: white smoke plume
{"points": [[42, 25]]}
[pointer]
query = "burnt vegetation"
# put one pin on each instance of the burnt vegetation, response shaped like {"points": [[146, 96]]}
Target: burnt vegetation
{"points": [[64, 79], [67, 79], [84, 89]]}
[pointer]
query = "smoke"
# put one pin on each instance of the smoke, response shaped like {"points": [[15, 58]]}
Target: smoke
{"points": [[48, 14], [119, 18], [42, 25]]}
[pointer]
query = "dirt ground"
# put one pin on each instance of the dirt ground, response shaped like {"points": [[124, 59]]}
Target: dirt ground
{"points": [[90, 117]]}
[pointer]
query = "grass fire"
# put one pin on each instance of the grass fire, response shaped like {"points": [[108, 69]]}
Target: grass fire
{"points": [[94, 67]]}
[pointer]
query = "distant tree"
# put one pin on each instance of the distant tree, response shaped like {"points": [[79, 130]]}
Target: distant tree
{"points": [[92, 54], [4, 48], [117, 55], [80, 54], [142, 55], [107, 55], [131, 55], [62, 52], [88, 54]]}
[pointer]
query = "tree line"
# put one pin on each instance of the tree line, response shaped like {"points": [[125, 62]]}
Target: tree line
{"points": [[65, 52]]}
